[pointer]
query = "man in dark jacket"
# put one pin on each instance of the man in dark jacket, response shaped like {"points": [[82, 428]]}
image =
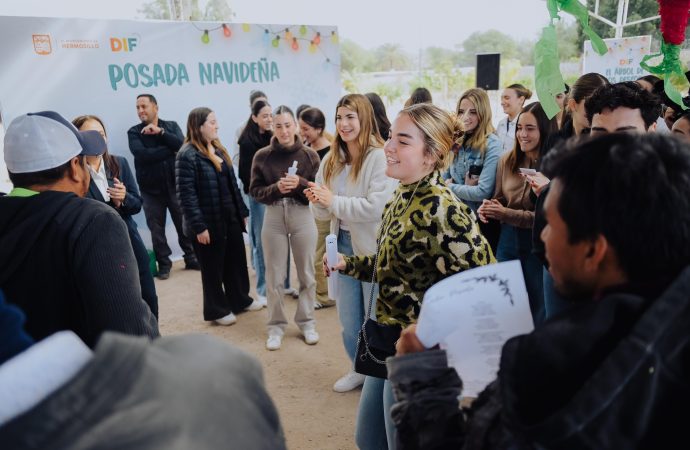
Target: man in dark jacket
{"points": [[154, 143], [65, 260], [605, 374]]}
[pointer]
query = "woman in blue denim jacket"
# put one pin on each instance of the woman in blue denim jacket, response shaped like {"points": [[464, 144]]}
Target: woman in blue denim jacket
{"points": [[472, 173]]}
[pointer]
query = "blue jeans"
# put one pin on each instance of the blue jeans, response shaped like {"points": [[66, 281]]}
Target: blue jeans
{"points": [[256, 223], [375, 429], [353, 300], [516, 243]]}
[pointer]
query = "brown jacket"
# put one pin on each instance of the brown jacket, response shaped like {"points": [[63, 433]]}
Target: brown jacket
{"points": [[271, 163], [513, 191]]}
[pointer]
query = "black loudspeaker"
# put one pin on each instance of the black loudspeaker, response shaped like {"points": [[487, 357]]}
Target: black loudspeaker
{"points": [[488, 68]]}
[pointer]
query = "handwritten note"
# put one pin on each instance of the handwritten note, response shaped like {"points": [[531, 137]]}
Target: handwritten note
{"points": [[471, 315]]}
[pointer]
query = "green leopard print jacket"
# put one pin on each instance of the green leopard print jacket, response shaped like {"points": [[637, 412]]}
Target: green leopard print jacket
{"points": [[433, 237]]}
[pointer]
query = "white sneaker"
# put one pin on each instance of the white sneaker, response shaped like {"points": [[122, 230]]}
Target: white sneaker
{"points": [[292, 292], [227, 320], [262, 300], [311, 337], [348, 382], [254, 306], [274, 341]]}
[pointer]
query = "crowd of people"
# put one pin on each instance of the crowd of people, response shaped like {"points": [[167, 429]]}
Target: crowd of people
{"points": [[591, 203]]}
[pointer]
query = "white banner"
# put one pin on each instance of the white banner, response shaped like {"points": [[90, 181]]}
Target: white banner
{"points": [[622, 60], [80, 66]]}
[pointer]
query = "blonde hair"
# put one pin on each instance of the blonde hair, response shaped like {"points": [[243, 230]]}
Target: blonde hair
{"points": [[437, 128], [480, 135], [368, 137]]}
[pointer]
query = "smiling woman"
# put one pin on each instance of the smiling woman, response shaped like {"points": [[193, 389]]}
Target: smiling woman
{"points": [[447, 240], [513, 204], [214, 216]]}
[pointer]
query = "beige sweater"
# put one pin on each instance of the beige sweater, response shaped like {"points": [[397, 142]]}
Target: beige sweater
{"points": [[513, 191], [361, 207]]}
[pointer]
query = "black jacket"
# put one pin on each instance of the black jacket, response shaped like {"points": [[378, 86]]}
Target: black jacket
{"points": [[67, 262], [198, 190], [604, 375], [248, 148], [154, 155], [132, 203]]}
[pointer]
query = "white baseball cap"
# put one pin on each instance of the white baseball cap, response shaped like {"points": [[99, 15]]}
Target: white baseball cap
{"points": [[44, 140]]}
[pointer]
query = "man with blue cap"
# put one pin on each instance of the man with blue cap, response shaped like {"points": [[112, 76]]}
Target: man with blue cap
{"points": [[66, 261]]}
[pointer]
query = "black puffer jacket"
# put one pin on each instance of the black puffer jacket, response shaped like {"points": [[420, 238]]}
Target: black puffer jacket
{"points": [[198, 190]]}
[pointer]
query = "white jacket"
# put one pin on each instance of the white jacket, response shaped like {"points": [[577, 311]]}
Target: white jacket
{"points": [[362, 205]]}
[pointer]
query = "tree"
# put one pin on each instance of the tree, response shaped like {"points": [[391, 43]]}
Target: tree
{"points": [[491, 41], [391, 57], [389, 92], [215, 10], [354, 58], [637, 9], [568, 41], [438, 56]]}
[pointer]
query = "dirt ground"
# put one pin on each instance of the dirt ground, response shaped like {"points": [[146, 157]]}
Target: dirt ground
{"points": [[298, 377]]}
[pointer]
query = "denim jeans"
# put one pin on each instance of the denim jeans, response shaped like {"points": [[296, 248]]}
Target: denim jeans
{"points": [[353, 300], [256, 223], [516, 243], [374, 429]]}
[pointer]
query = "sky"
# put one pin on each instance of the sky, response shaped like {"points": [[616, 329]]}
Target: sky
{"points": [[370, 23]]}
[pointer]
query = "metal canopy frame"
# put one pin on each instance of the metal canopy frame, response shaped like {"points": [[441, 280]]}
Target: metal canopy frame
{"points": [[621, 17]]}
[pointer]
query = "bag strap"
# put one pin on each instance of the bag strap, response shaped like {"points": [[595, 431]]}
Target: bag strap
{"points": [[373, 277], [363, 336]]}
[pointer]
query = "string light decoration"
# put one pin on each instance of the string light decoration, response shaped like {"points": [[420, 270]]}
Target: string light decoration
{"points": [[273, 38]]}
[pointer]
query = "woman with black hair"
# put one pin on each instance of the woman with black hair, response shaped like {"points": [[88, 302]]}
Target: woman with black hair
{"points": [[256, 135], [513, 204], [214, 217], [112, 182], [380, 115]]}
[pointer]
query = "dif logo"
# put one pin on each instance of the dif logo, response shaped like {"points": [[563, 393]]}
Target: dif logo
{"points": [[123, 44]]}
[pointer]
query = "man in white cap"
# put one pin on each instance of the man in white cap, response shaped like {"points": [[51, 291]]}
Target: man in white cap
{"points": [[65, 260]]}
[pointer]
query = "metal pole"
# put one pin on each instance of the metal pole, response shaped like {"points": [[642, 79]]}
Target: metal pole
{"points": [[620, 18]]}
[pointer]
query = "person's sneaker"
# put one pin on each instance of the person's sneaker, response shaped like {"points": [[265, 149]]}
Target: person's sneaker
{"points": [[274, 341], [254, 306], [227, 320], [348, 382], [294, 293], [262, 300], [163, 274], [320, 304], [192, 264], [311, 337]]}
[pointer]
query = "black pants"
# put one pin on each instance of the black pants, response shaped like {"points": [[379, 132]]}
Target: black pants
{"points": [[492, 232], [148, 287], [155, 210], [224, 276]]}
